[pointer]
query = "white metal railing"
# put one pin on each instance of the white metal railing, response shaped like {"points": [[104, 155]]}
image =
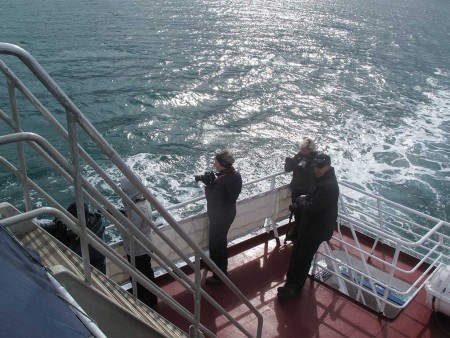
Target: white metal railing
{"points": [[278, 211], [256, 213], [403, 229], [71, 172]]}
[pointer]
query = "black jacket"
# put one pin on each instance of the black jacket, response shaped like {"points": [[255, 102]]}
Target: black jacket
{"points": [[70, 239], [221, 196], [319, 208], [96, 226], [302, 168]]}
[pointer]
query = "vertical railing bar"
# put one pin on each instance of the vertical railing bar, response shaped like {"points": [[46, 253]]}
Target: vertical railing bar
{"points": [[197, 296], [336, 269], [380, 223], [363, 260], [20, 148], [77, 182], [390, 278], [272, 183], [133, 262]]}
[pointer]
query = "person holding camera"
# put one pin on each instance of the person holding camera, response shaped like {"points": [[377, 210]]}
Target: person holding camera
{"points": [[142, 259], [222, 191], [319, 210], [302, 168]]}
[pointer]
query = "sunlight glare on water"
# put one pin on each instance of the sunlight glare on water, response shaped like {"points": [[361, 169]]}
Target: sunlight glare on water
{"points": [[168, 83]]}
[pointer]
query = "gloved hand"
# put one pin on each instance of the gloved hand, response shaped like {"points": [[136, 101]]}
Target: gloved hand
{"points": [[293, 207], [208, 178]]}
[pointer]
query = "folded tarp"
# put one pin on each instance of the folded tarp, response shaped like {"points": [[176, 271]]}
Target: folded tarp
{"points": [[30, 305]]}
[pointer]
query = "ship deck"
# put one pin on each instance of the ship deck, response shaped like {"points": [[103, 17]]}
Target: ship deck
{"points": [[258, 267]]}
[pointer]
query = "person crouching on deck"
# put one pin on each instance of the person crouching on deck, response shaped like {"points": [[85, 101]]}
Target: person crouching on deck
{"points": [[222, 191], [319, 209], [70, 239]]}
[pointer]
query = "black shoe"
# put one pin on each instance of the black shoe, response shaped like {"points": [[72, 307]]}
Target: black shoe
{"points": [[286, 292], [213, 280]]}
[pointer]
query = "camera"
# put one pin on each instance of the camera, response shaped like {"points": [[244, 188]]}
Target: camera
{"points": [[290, 160], [207, 178]]}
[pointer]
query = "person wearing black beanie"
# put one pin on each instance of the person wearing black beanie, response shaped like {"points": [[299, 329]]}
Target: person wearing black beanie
{"points": [[221, 196]]}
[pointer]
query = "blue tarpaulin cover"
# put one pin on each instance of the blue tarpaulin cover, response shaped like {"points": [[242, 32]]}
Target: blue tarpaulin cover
{"points": [[29, 305]]}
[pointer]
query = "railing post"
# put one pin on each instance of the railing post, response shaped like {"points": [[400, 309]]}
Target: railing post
{"points": [[342, 205], [380, 222], [272, 183], [77, 182], [20, 151], [133, 262], [195, 331], [391, 277], [380, 214], [268, 223]]}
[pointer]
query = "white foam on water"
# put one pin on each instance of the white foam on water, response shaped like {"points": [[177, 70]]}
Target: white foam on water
{"points": [[159, 175], [368, 154]]}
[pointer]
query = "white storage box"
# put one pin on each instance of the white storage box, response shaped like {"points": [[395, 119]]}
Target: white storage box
{"points": [[438, 288]]}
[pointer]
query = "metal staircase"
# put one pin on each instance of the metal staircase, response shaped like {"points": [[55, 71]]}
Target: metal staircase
{"points": [[70, 168]]}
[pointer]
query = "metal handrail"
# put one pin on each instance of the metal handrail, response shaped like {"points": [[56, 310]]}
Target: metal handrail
{"points": [[244, 184], [75, 117], [390, 203]]}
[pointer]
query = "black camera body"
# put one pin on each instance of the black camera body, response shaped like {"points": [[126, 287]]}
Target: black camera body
{"points": [[208, 177]]}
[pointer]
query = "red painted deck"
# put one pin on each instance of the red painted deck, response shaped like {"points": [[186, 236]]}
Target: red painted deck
{"points": [[320, 311]]}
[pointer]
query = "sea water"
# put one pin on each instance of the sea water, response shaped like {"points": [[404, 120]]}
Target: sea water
{"points": [[169, 82]]}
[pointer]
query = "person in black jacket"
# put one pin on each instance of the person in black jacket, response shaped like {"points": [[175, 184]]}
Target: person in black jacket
{"points": [[222, 191], [319, 209], [70, 239], [302, 168]]}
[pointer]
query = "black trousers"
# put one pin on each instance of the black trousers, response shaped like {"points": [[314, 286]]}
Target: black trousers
{"points": [[144, 265], [300, 262], [218, 251], [295, 228]]}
